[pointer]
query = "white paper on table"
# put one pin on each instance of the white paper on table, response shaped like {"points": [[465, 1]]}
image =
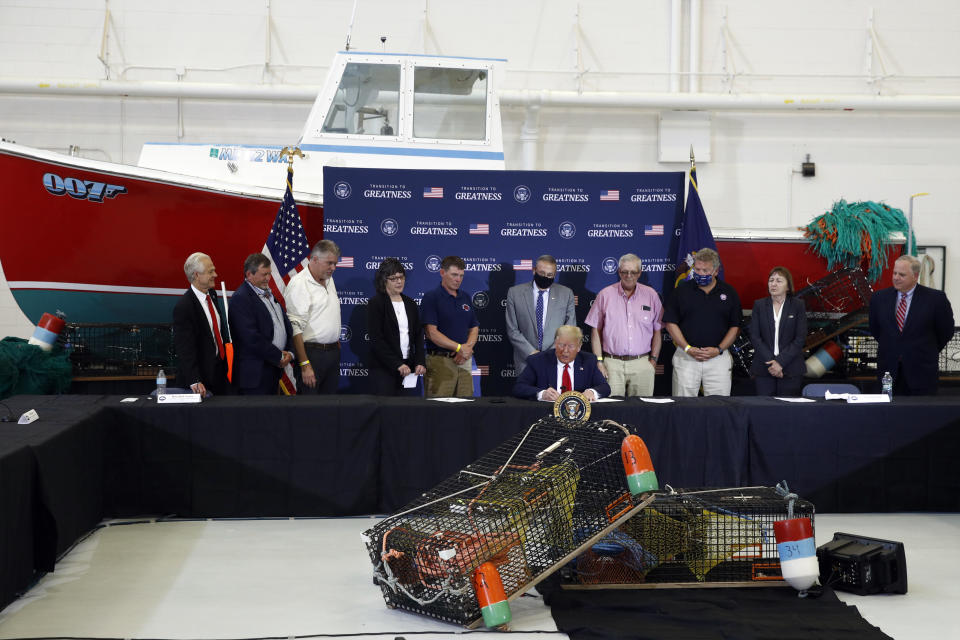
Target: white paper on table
{"points": [[657, 400], [129, 400], [452, 399], [867, 398], [794, 399], [410, 381], [835, 396], [608, 400]]}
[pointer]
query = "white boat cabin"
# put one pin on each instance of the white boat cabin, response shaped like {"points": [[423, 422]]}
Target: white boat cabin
{"points": [[375, 110]]}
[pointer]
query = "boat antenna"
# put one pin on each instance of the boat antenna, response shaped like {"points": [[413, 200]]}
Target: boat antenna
{"points": [[353, 16]]}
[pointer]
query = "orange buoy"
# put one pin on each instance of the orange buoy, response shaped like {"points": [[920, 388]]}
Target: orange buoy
{"points": [[637, 464], [490, 595]]}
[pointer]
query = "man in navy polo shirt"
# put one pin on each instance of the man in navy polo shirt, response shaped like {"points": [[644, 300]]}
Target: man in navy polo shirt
{"points": [[451, 329], [703, 317]]}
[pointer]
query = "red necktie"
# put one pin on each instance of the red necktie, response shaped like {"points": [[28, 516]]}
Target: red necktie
{"points": [[902, 311], [566, 384], [216, 327]]}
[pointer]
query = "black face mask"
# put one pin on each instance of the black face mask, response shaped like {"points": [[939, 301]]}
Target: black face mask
{"points": [[542, 281]]}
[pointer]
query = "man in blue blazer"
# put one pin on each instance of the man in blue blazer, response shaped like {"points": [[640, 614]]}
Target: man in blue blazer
{"points": [[563, 368], [262, 335], [911, 324]]}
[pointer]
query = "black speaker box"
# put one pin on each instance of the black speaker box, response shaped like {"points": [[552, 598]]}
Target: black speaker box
{"points": [[863, 565]]}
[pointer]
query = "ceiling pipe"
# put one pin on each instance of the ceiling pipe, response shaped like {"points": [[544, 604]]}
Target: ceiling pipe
{"points": [[510, 97]]}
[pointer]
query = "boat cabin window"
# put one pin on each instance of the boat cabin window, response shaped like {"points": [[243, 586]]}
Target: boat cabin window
{"points": [[450, 104], [367, 100]]}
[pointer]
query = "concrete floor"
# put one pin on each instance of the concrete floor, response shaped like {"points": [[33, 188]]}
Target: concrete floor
{"points": [[259, 578]]}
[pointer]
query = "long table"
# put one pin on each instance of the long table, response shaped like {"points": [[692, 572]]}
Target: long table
{"points": [[91, 457]]}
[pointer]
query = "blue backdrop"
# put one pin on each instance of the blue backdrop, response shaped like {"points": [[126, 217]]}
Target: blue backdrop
{"points": [[498, 222]]}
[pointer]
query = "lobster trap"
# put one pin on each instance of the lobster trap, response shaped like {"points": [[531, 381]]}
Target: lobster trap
{"points": [[690, 538], [118, 349], [526, 508]]}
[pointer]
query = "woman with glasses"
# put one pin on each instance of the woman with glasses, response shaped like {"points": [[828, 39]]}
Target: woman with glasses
{"points": [[396, 335], [778, 331]]}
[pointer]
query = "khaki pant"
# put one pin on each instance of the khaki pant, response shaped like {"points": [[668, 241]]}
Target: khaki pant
{"points": [[689, 374], [447, 379], [630, 377]]}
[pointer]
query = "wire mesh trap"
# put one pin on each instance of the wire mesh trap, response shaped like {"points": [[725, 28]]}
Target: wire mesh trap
{"points": [[691, 537], [525, 508], [117, 349]]}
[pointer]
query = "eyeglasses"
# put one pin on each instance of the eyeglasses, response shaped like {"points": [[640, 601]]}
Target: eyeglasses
{"points": [[623, 272], [397, 278]]}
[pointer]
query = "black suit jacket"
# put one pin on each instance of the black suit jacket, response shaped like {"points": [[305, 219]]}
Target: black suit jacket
{"points": [[255, 359], [792, 337], [927, 331], [196, 351], [385, 334], [541, 373]]}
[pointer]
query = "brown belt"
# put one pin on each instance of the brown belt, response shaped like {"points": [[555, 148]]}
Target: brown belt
{"points": [[642, 355], [444, 353], [322, 347]]}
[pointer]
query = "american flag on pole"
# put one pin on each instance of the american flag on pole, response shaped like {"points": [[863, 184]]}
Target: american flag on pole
{"points": [[289, 252], [481, 229], [653, 229], [523, 265], [433, 192], [610, 195]]}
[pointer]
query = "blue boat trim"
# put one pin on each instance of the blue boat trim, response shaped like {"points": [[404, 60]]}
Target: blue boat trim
{"points": [[390, 151]]}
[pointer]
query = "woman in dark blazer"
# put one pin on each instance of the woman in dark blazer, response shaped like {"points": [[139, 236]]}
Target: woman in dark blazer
{"points": [[778, 331], [393, 354]]}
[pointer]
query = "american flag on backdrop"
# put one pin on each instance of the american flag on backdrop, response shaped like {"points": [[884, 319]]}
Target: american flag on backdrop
{"points": [[289, 252], [345, 262], [523, 265], [609, 194], [481, 229], [653, 229], [433, 192]]}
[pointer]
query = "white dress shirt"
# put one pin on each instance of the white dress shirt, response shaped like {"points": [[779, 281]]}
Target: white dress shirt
{"points": [[202, 297], [313, 308]]}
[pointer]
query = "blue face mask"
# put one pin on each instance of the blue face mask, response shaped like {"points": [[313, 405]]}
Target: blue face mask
{"points": [[702, 280]]}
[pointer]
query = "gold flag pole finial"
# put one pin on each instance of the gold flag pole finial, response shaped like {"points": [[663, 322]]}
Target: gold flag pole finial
{"points": [[290, 152]]}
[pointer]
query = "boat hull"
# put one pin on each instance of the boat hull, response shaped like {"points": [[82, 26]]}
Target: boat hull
{"points": [[107, 243]]}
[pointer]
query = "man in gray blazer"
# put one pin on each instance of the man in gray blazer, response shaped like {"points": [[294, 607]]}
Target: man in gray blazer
{"points": [[535, 310]]}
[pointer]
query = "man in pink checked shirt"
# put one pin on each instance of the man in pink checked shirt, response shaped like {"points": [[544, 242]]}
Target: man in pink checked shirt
{"points": [[626, 336]]}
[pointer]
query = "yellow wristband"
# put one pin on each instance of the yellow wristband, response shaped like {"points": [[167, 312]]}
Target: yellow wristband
{"points": [[458, 348], [686, 348], [304, 363]]}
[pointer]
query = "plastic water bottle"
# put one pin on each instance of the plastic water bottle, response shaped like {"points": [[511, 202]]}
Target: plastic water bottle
{"points": [[161, 383], [887, 382]]}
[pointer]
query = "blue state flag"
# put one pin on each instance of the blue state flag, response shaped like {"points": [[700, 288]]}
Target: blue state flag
{"points": [[695, 232]]}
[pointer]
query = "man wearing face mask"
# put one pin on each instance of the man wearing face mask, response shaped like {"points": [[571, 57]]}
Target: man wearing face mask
{"points": [[703, 317], [626, 331], [535, 310]]}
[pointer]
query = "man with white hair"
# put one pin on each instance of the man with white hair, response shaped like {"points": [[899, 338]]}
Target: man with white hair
{"points": [[199, 332], [911, 324], [626, 338]]}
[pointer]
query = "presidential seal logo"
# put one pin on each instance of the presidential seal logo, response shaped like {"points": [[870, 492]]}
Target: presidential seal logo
{"points": [[389, 227], [572, 406], [345, 333], [522, 194], [432, 263], [342, 190], [481, 300], [567, 230], [609, 265]]}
